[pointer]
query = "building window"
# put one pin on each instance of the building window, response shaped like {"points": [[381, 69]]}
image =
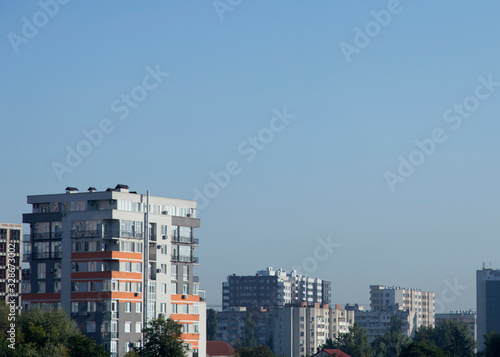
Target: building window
{"points": [[174, 308], [163, 288], [185, 309], [138, 267], [164, 268], [113, 346], [92, 286], [196, 328], [163, 308], [41, 286], [127, 326], [196, 289], [128, 306], [185, 273], [42, 271], [92, 266], [173, 273], [138, 327], [57, 286], [91, 306], [91, 326], [57, 270], [185, 289], [173, 288], [74, 307], [196, 308], [128, 266], [75, 286], [138, 307]]}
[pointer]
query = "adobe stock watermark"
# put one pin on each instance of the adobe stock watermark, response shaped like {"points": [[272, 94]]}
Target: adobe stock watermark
{"points": [[454, 117], [223, 6], [448, 295], [121, 106], [31, 26], [323, 250], [372, 29], [249, 148]]}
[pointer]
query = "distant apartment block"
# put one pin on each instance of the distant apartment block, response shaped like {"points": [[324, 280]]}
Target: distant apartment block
{"points": [[488, 303], [113, 260], [10, 264], [418, 302], [377, 322], [468, 317], [270, 288], [294, 330], [231, 323]]}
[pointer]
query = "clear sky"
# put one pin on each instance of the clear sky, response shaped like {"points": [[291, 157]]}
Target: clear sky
{"points": [[355, 85]]}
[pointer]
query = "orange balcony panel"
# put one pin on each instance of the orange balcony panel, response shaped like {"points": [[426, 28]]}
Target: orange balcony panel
{"points": [[185, 317], [191, 298]]}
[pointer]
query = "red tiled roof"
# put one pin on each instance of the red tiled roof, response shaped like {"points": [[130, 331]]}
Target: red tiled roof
{"points": [[336, 352], [219, 348]]}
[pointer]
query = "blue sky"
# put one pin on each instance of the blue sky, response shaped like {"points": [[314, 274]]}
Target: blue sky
{"points": [[322, 176]]}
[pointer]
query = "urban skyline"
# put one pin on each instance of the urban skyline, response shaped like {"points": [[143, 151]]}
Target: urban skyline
{"points": [[353, 142]]}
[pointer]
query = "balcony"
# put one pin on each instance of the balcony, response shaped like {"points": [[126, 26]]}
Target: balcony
{"points": [[109, 335], [42, 255], [86, 234], [185, 259], [187, 240], [122, 234]]}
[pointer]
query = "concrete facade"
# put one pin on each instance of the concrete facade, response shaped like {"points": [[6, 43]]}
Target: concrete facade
{"points": [[88, 254]]}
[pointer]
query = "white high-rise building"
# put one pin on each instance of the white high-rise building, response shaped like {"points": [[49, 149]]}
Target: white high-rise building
{"points": [[114, 262]]}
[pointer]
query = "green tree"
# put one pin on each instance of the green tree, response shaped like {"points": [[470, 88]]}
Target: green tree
{"points": [[393, 341], [46, 333], [354, 342], [420, 349], [163, 338], [248, 338], [260, 351], [450, 336], [491, 344], [211, 324]]}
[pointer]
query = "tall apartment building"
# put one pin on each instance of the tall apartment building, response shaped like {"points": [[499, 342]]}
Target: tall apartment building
{"points": [[421, 303], [488, 303], [10, 264], [114, 262], [271, 287], [468, 317]]}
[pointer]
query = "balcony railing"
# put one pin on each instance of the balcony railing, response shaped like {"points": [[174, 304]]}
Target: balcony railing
{"points": [[123, 234], [185, 259], [108, 335], [42, 255], [188, 240], [86, 234]]}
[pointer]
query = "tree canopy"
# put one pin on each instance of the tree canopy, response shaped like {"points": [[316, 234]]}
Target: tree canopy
{"points": [[45, 333], [163, 338]]}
